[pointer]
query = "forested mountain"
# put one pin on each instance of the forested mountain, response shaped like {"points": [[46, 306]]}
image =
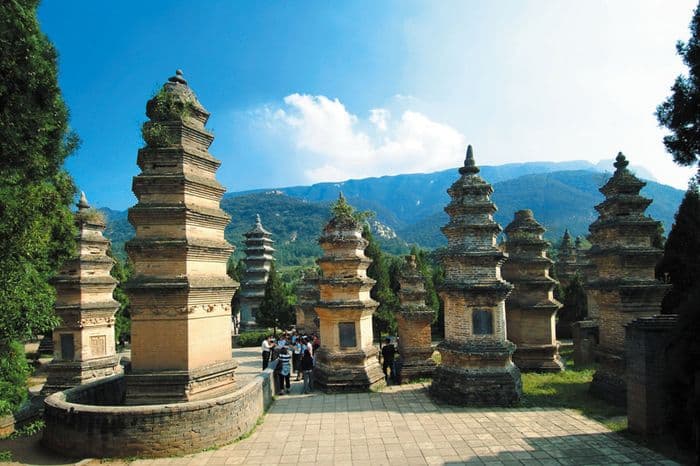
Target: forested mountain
{"points": [[409, 208]]}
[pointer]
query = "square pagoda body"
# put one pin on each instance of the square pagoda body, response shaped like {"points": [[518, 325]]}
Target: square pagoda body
{"points": [[180, 292], [347, 359], [84, 346], [476, 366], [531, 308]]}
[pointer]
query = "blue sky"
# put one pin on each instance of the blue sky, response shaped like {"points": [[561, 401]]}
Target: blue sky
{"points": [[302, 92]]}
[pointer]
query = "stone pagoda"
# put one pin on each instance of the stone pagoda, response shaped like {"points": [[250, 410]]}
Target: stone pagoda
{"points": [[84, 348], [258, 262], [531, 308], [308, 294], [566, 266], [414, 319], [476, 364], [347, 359], [622, 286], [180, 292]]}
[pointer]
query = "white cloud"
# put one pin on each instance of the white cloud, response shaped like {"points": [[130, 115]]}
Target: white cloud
{"points": [[334, 144]]}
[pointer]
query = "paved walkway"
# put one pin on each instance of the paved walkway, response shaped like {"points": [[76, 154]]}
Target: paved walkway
{"points": [[403, 426]]}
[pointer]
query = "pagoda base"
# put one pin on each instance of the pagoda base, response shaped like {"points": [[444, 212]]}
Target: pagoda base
{"points": [[608, 381], [173, 386], [348, 371], [63, 375], [477, 373], [538, 358], [414, 370]]}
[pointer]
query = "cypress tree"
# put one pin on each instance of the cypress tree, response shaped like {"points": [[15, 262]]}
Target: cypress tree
{"points": [[384, 318], [275, 310], [36, 230]]}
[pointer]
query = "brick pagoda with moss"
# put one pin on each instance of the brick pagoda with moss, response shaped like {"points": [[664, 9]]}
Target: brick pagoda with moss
{"points": [[531, 308], [180, 293], [414, 319], [347, 359], [476, 366], [308, 295], [84, 347], [258, 262], [622, 287]]}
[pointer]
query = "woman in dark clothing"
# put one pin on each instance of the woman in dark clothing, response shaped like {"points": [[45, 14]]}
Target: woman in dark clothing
{"points": [[307, 367]]}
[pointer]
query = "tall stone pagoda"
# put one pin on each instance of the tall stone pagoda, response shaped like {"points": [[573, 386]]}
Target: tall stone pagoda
{"points": [[258, 262], [308, 294], [414, 319], [180, 292], [84, 347], [531, 308], [566, 266], [347, 359], [476, 364], [623, 286]]}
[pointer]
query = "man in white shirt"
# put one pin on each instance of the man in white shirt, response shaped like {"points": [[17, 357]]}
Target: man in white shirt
{"points": [[267, 345]]}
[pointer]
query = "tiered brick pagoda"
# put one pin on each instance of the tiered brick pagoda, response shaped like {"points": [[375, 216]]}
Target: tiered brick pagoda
{"points": [[258, 262], [531, 308], [414, 319], [623, 286], [476, 366], [308, 296], [347, 359], [180, 293], [566, 266], [84, 348]]}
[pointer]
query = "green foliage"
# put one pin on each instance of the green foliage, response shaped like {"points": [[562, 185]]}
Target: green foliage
{"points": [[342, 211], [5, 456], [276, 310], [30, 429], [37, 229], [156, 134], [121, 271], [679, 113], [14, 371], [167, 106], [680, 265], [575, 302], [249, 339], [384, 318]]}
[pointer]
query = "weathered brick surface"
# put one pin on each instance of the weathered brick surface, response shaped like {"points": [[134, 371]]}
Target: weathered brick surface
{"points": [[646, 342], [76, 423]]}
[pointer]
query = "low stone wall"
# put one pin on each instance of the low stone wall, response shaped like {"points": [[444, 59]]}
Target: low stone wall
{"points": [[75, 421]]}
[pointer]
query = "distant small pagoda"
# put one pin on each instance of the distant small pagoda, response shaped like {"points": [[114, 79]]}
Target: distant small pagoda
{"points": [[476, 366], [623, 286], [566, 265], [84, 347], [531, 308], [258, 262]]}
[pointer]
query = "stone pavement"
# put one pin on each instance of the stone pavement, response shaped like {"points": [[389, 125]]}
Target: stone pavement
{"points": [[401, 425]]}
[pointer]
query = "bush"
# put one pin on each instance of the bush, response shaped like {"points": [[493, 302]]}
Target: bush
{"points": [[14, 371], [156, 135], [248, 339]]}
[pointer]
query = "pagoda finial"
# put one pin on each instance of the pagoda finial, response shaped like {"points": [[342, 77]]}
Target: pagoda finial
{"points": [[257, 220], [621, 161], [469, 167], [340, 196], [178, 78], [83, 202], [566, 234]]}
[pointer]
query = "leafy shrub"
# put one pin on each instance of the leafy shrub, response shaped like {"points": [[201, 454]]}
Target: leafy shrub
{"points": [[14, 371], [255, 338], [165, 106], [156, 135]]}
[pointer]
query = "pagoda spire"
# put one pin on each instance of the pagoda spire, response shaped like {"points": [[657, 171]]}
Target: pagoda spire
{"points": [[469, 167], [83, 202]]}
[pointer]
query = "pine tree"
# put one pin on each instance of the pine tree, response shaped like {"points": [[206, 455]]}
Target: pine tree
{"points": [[575, 302], [679, 113], [275, 310], [680, 265], [384, 318], [36, 230]]}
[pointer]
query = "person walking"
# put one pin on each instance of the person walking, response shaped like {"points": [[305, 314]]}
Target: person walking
{"points": [[307, 367], [388, 353], [296, 358], [285, 369], [267, 345]]}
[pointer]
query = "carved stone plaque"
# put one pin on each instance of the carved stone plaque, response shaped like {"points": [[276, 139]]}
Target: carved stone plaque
{"points": [[482, 322], [347, 334], [98, 345]]}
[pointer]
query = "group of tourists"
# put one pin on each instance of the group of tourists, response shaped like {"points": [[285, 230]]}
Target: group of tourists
{"points": [[295, 354]]}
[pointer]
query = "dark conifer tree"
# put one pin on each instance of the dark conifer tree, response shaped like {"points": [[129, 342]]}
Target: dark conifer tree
{"points": [[384, 319], [36, 226]]}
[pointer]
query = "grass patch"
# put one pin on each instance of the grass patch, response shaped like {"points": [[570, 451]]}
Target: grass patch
{"points": [[28, 430], [5, 456], [569, 389]]}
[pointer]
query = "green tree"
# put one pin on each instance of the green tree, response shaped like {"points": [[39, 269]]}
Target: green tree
{"points": [[121, 271], [276, 310], [36, 230], [384, 318], [575, 302], [680, 265], [679, 113]]}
